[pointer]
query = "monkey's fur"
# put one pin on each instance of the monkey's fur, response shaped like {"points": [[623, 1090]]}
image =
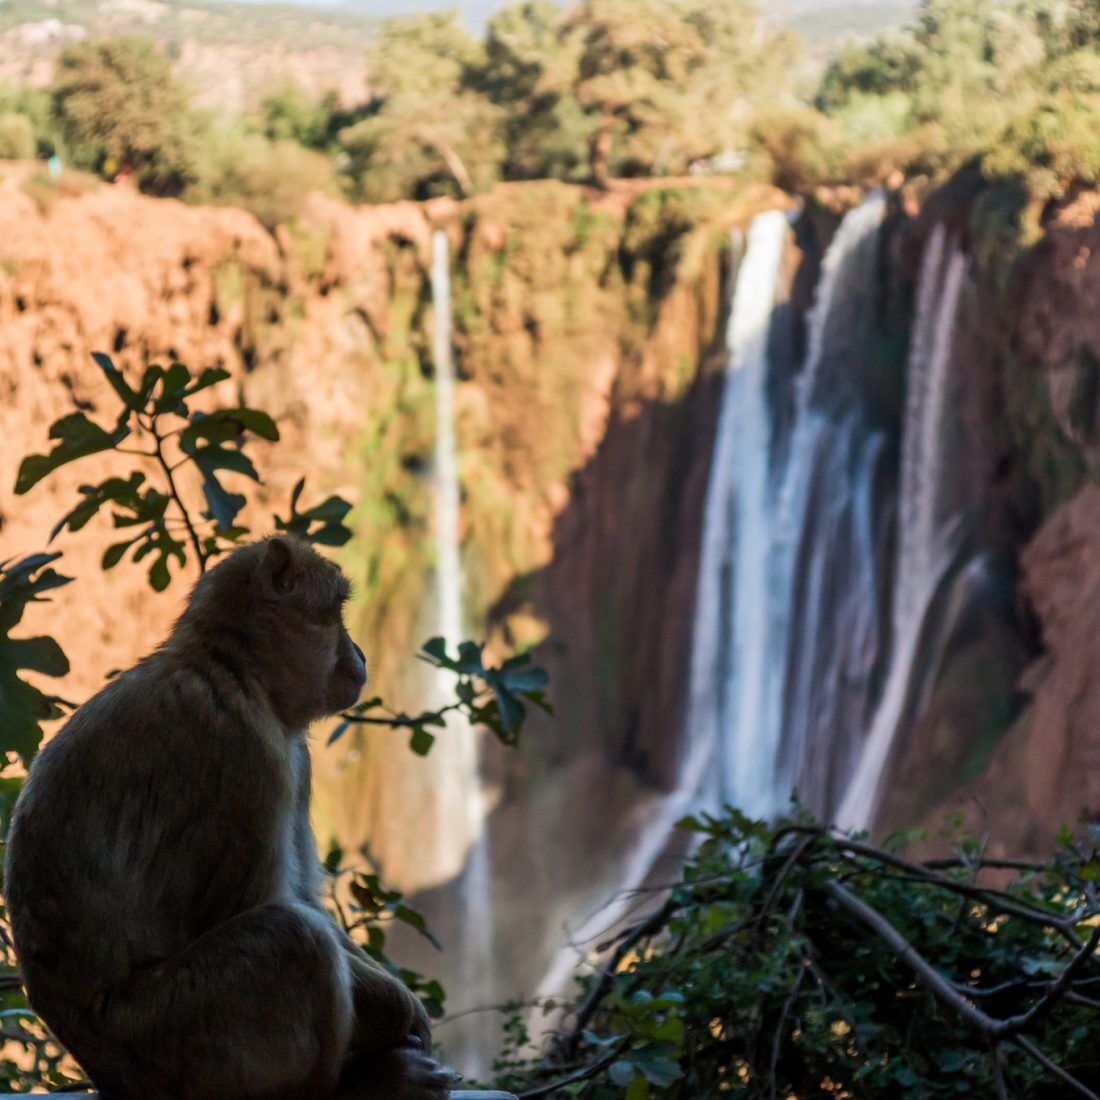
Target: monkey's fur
{"points": [[162, 875]]}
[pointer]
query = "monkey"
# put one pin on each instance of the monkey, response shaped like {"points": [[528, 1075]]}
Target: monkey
{"points": [[162, 877]]}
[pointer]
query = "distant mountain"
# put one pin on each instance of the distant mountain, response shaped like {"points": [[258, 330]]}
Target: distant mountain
{"points": [[230, 53], [826, 22]]}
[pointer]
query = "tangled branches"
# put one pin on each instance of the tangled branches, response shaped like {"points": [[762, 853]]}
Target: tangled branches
{"points": [[791, 961]]}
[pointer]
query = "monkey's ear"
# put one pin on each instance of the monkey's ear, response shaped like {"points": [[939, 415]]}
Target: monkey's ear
{"points": [[277, 569]]}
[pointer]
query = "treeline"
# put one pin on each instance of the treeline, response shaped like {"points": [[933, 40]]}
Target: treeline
{"points": [[597, 89]]}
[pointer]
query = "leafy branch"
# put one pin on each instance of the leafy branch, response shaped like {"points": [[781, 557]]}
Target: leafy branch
{"points": [[166, 434], [494, 696], [24, 581]]}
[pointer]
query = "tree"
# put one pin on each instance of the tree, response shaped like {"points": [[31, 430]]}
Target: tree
{"points": [[663, 80], [425, 132], [119, 105], [529, 71], [290, 114]]}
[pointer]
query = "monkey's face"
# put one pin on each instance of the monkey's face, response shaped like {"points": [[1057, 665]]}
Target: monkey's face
{"points": [[349, 673], [323, 670]]}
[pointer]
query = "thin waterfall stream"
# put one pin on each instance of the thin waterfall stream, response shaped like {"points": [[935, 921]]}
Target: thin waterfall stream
{"points": [[925, 534], [460, 743]]}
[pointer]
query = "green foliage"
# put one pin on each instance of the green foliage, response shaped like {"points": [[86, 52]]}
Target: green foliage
{"points": [[166, 433], [792, 961], [291, 115], [1015, 85], [16, 137], [118, 105], [23, 706], [271, 179], [486, 695], [367, 916], [424, 133], [662, 80]]}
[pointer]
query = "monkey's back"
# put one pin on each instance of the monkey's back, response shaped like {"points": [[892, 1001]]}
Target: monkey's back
{"points": [[128, 838]]}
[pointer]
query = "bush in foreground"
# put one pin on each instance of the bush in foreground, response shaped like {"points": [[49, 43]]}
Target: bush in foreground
{"points": [[790, 961]]}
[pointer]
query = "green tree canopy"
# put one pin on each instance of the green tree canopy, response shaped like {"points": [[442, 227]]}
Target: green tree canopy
{"points": [[118, 105], [425, 133]]}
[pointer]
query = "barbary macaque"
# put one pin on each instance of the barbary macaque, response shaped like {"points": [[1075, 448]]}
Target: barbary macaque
{"points": [[162, 875]]}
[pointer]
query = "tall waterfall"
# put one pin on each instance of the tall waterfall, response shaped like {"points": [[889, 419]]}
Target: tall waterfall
{"points": [[785, 606], [808, 632], [731, 678], [456, 751], [742, 411], [925, 531]]}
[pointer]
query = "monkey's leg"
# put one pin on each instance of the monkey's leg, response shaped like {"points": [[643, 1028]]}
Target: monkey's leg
{"points": [[260, 1006]]}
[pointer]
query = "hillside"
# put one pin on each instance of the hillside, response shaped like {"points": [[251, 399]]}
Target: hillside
{"points": [[230, 54]]}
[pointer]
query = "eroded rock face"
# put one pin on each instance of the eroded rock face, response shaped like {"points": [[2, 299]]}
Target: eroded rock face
{"points": [[1008, 732]]}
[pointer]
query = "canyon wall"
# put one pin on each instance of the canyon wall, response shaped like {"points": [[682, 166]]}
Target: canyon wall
{"points": [[1007, 736]]}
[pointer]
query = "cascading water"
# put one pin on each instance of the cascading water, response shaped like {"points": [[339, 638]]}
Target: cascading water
{"points": [[926, 542], [830, 536], [786, 619], [729, 676], [754, 297], [796, 683], [457, 751]]}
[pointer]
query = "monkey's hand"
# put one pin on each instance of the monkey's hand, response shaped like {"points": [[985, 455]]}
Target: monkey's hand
{"points": [[387, 1012]]}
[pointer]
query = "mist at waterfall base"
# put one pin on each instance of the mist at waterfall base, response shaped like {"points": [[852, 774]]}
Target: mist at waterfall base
{"points": [[833, 567]]}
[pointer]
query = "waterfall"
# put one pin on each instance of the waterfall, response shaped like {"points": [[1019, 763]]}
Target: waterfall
{"points": [[830, 544], [457, 750], [926, 543], [785, 631], [730, 684], [754, 293]]}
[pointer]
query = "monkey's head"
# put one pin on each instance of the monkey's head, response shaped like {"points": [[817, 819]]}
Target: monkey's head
{"points": [[274, 608]]}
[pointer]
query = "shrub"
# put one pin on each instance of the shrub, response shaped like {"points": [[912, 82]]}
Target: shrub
{"points": [[791, 961], [17, 138], [272, 179]]}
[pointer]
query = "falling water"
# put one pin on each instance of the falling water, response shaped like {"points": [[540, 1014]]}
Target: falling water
{"points": [[925, 533], [730, 681], [785, 607], [754, 297], [829, 540], [459, 745]]}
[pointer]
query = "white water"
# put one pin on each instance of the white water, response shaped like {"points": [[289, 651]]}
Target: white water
{"points": [[781, 624], [824, 547], [925, 533], [754, 296], [457, 749], [731, 681]]}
